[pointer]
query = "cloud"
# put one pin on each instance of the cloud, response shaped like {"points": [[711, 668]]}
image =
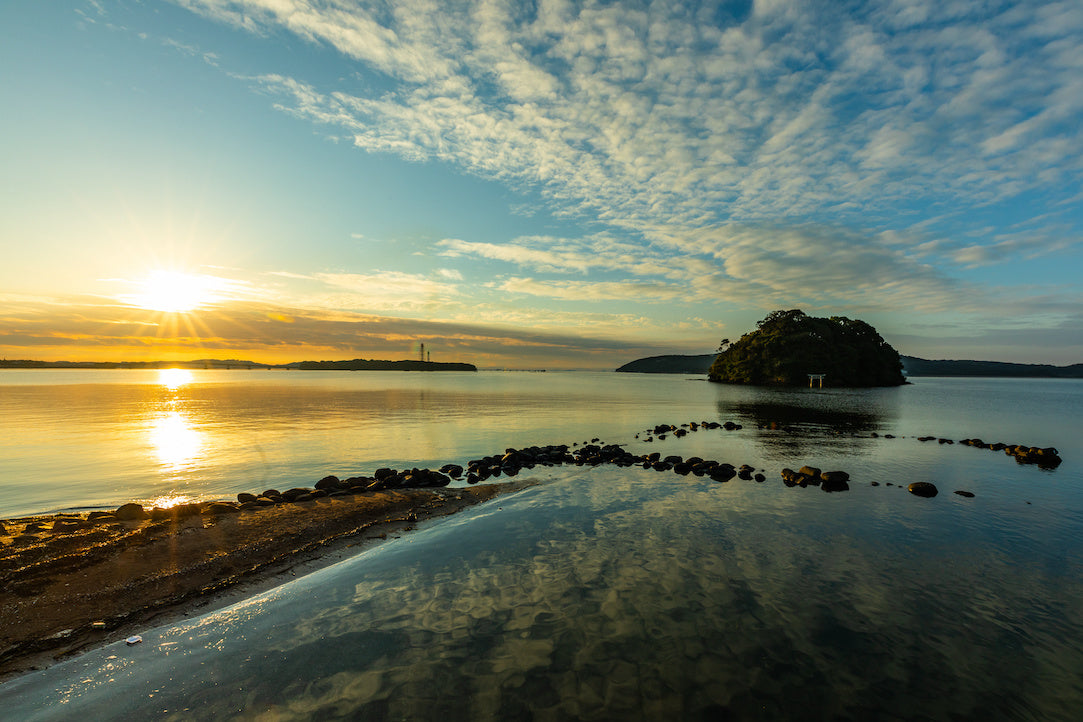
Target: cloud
{"points": [[638, 117], [89, 328]]}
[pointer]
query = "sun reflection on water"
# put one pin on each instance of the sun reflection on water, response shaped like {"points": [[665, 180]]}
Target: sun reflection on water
{"points": [[173, 379], [175, 441], [170, 501]]}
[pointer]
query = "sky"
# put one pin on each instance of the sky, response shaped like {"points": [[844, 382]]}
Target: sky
{"points": [[540, 184]]}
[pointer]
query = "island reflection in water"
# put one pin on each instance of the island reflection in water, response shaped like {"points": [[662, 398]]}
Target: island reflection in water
{"points": [[623, 594]]}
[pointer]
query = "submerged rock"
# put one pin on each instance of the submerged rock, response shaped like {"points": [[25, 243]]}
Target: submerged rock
{"points": [[967, 494], [923, 488]]}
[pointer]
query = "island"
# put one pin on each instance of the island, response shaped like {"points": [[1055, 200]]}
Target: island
{"points": [[790, 348]]}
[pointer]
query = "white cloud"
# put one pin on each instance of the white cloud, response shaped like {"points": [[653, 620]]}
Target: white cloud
{"points": [[735, 159]]}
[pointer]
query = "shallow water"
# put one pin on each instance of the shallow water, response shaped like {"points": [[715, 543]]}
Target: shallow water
{"points": [[612, 593], [628, 594], [77, 439]]}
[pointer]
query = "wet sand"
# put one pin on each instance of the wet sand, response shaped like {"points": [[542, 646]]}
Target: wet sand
{"points": [[67, 585]]}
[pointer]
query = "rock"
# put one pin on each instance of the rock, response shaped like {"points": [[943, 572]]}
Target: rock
{"points": [[723, 472], [809, 471], [220, 507], [244, 497], [295, 494], [835, 484], [967, 494], [329, 483], [452, 470], [131, 512], [272, 493], [834, 477], [923, 488]]}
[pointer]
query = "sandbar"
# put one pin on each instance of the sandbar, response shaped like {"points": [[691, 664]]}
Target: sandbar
{"points": [[63, 591]]}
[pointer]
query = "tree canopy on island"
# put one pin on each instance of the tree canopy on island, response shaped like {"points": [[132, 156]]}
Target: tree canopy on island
{"points": [[787, 346]]}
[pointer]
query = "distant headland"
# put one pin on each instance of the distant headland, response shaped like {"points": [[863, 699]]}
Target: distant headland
{"points": [[790, 348], [231, 364], [912, 367]]}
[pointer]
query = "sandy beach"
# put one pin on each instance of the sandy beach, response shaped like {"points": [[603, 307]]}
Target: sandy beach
{"points": [[68, 584]]}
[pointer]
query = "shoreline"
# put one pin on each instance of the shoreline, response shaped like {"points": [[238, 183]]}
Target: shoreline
{"points": [[74, 590]]}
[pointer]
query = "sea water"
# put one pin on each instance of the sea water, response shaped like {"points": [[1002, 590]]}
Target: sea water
{"points": [[607, 593]]}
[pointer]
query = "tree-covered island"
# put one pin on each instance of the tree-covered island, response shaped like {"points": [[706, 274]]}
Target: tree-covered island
{"points": [[788, 346]]}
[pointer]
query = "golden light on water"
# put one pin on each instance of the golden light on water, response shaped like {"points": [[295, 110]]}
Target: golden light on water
{"points": [[173, 379], [168, 502], [175, 441]]}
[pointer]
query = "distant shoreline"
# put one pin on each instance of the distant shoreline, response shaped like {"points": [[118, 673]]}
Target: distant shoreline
{"points": [[235, 364], [912, 366]]}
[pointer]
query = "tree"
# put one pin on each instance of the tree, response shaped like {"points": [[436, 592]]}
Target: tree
{"points": [[787, 346]]}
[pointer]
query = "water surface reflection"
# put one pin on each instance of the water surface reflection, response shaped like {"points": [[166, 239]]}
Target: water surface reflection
{"points": [[620, 594]]}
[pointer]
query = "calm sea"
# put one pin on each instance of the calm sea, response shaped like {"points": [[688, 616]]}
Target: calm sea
{"points": [[602, 593]]}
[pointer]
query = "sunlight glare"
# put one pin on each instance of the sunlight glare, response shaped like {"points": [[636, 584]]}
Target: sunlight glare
{"points": [[175, 441], [173, 379], [168, 502], [176, 292]]}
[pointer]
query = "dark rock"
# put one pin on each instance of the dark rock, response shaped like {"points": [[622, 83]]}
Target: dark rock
{"points": [[383, 473], [357, 481], [264, 501], [944, 441], [220, 507], [452, 470], [295, 493], [874, 483], [131, 512], [272, 493], [723, 472], [834, 484], [329, 483], [760, 478], [834, 477], [245, 497], [967, 494], [809, 471], [923, 488]]}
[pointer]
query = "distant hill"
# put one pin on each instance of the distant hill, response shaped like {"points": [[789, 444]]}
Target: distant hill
{"points": [[358, 364], [353, 365], [672, 364], [923, 367]]}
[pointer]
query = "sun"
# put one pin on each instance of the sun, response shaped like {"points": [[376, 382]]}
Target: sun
{"points": [[176, 292]]}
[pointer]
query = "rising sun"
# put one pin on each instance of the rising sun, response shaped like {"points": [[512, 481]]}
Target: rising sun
{"points": [[175, 292]]}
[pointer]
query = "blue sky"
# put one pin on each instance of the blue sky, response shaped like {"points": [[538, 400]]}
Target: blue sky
{"points": [[547, 184]]}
